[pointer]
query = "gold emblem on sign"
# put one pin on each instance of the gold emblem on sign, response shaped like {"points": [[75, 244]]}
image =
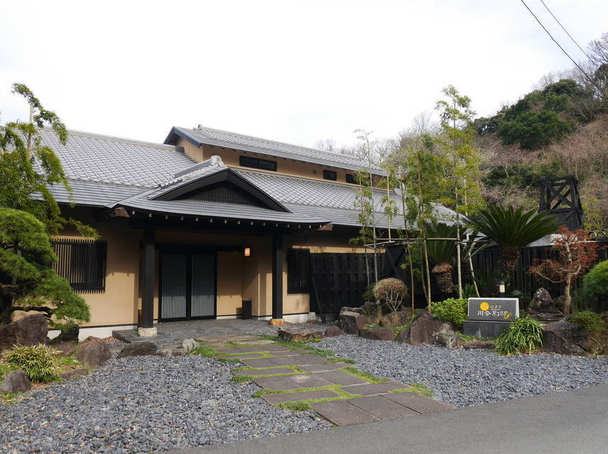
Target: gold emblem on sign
{"points": [[508, 315], [484, 306]]}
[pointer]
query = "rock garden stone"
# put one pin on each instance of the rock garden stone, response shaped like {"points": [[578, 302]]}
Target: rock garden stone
{"points": [[422, 331], [333, 331], [542, 307], [384, 334], [396, 319], [93, 352], [70, 335], [18, 315], [447, 337], [139, 349], [352, 322], [30, 330], [15, 382], [189, 344], [295, 335], [64, 348], [564, 338], [76, 373], [357, 310], [478, 345]]}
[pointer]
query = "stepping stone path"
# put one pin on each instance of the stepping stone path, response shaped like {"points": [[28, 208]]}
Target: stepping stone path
{"points": [[338, 396]]}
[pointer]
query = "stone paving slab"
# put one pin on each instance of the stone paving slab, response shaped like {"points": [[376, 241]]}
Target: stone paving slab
{"points": [[342, 413], [339, 377], [287, 353], [382, 408], [418, 403], [291, 382], [274, 399], [269, 371], [260, 362], [263, 348], [323, 367], [374, 388], [227, 350], [243, 356]]}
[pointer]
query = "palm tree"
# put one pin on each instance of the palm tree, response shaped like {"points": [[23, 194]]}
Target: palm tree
{"points": [[512, 229]]}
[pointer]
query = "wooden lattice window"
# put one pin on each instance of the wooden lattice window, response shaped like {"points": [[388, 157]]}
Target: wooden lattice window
{"points": [[82, 263], [298, 271]]}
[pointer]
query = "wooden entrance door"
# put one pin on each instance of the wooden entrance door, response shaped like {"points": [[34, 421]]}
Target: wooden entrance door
{"points": [[187, 286]]}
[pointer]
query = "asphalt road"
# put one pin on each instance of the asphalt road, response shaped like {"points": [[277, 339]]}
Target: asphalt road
{"points": [[565, 422]]}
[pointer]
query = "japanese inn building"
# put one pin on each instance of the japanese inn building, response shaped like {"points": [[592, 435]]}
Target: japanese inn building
{"points": [[209, 224]]}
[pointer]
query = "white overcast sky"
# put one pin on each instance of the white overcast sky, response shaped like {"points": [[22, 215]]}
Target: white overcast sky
{"points": [[290, 70]]}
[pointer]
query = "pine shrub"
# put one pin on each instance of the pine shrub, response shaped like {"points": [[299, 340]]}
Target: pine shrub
{"points": [[589, 321]]}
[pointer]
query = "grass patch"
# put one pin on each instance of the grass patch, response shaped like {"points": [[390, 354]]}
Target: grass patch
{"points": [[203, 350], [340, 360], [263, 392], [294, 406], [292, 367], [261, 354], [67, 361], [364, 375], [418, 388], [5, 369], [241, 378], [237, 344], [298, 346], [466, 338]]}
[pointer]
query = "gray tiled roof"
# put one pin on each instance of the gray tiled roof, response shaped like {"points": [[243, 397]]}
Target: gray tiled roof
{"points": [[105, 159], [106, 171], [209, 136]]}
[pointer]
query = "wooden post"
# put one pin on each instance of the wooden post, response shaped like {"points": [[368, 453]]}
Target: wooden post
{"points": [[147, 328], [277, 279]]}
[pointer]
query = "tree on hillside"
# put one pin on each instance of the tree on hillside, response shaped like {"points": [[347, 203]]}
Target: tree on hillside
{"points": [[30, 214], [575, 252]]}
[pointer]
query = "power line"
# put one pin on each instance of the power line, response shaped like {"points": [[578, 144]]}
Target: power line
{"points": [[564, 29], [562, 49]]}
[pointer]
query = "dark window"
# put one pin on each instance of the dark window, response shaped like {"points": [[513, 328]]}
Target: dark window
{"points": [[298, 271], [350, 178], [82, 263], [330, 175], [256, 163]]}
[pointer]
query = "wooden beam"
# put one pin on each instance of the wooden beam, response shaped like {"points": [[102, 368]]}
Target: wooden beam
{"points": [[277, 276], [147, 272]]}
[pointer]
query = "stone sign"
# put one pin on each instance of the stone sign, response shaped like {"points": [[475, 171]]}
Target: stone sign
{"points": [[493, 309]]}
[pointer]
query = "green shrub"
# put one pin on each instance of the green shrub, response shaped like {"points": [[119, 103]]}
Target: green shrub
{"points": [[588, 321], [595, 282], [391, 292], [37, 362], [524, 335], [451, 310]]}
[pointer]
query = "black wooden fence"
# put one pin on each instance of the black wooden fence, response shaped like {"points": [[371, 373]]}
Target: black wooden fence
{"points": [[340, 280]]}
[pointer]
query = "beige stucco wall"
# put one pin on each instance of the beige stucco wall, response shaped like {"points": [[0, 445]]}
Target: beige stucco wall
{"points": [[239, 278]]}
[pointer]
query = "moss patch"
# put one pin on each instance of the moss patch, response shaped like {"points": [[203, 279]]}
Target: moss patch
{"points": [[241, 378], [340, 360], [418, 388], [294, 406], [364, 375], [203, 350]]}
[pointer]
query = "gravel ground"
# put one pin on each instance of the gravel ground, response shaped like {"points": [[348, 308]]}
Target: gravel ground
{"points": [[470, 377], [145, 404]]}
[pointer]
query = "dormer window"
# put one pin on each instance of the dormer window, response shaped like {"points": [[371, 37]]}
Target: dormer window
{"points": [[330, 175], [256, 163], [350, 178]]}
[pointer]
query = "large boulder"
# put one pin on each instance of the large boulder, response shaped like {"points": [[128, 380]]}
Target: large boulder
{"points": [[15, 382], [30, 330], [352, 322], [18, 314], [564, 338], [542, 307], [428, 330], [298, 335], [333, 331], [396, 319], [383, 334], [140, 349], [93, 352], [189, 344]]}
